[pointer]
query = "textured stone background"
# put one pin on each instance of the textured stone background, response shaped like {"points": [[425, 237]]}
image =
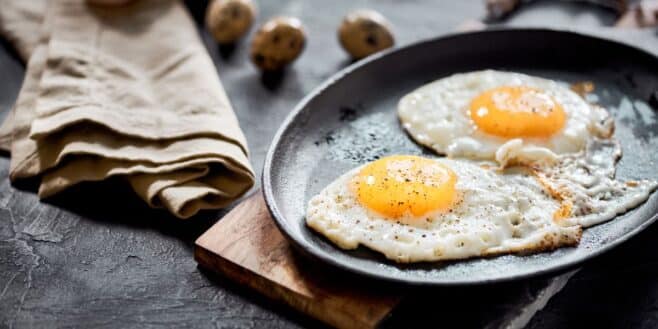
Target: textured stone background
{"points": [[95, 256]]}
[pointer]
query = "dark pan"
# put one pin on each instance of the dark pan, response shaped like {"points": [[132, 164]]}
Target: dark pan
{"points": [[351, 119]]}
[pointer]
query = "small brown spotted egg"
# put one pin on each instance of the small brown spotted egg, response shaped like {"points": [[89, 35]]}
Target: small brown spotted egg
{"points": [[278, 43], [228, 20], [365, 32]]}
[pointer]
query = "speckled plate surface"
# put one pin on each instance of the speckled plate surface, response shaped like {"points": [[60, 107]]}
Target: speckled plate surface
{"points": [[351, 119]]}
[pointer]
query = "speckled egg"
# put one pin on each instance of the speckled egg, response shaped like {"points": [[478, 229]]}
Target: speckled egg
{"points": [[365, 32], [278, 43], [229, 20]]}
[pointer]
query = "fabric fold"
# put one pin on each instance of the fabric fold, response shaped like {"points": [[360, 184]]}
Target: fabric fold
{"points": [[124, 91]]}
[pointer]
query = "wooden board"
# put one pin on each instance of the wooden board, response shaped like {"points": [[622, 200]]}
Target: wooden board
{"points": [[247, 247]]}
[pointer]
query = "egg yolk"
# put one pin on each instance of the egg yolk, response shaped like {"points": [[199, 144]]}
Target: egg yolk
{"points": [[403, 185], [517, 111]]}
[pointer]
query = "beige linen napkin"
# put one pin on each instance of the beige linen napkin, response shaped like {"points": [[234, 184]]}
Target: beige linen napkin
{"points": [[124, 91], [20, 24]]}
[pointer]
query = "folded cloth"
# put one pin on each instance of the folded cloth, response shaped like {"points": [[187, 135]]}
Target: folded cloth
{"points": [[126, 91], [20, 24]]}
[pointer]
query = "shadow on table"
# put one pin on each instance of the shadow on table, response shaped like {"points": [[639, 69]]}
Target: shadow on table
{"points": [[260, 300], [113, 202], [617, 290]]}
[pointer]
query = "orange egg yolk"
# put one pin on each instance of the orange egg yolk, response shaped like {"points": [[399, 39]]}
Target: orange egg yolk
{"points": [[517, 111], [403, 185]]}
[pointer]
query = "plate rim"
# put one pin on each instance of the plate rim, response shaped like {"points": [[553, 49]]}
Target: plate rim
{"points": [[307, 249]]}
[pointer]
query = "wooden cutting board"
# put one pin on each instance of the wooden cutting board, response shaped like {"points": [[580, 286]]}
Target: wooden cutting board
{"points": [[246, 246]]}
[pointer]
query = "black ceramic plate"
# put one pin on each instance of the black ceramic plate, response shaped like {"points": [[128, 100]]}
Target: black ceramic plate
{"points": [[351, 119]]}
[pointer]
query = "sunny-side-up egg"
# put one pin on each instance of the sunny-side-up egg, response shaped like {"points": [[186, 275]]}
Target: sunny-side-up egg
{"points": [[502, 116], [415, 209]]}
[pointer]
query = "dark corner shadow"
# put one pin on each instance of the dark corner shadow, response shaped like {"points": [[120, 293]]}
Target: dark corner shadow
{"points": [[27, 184], [611, 301], [226, 50], [197, 9], [10, 50], [256, 298], [113, 202], [285, 80], [272, 80], [463, 306], [616, 290]]}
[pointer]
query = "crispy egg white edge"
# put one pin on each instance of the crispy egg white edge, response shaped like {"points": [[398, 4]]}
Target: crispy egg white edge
{"points": [[336, 214], [589, 177]]}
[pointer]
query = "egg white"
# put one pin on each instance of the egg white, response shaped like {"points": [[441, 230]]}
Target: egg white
{"points": [[587, 180], [496, 214], [500, 210], [436, 115]]}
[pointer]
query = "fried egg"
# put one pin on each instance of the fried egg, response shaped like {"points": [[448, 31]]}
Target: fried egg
{"points": [[413, 209], [503, 116]]}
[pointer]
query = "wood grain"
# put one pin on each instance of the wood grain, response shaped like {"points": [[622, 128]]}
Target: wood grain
{"points": [[247, 247]]}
